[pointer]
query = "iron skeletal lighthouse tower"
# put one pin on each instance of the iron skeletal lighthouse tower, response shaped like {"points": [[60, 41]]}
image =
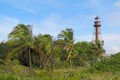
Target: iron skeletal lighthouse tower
{"points": [[98, 40], [97, 25]]}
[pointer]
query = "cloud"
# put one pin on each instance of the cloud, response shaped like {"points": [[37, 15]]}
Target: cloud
{"points": [[112, 37], [90, 4], [111, 42], [54, 23], [50, 25], [112, 19], [50, 2], [32, 6], [24, 5], [95, 2], [116, 49], [26, 9], [83, 38], [117, 4], [10, 20], [6, 26]]}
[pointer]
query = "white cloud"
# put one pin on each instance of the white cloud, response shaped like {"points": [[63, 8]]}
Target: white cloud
{"points": [[50, 2], [95, 2], [24, 5], [90, 4], [116, 49], [111, 43], [51, 25], [117, 4], [11, 20], [6, 26], [112, 19], [26, 8], [112, 37], [54, 23], [32, 6], [83, 38]]}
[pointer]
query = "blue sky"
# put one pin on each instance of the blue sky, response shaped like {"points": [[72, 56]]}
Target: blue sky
{"points": [[52, 16]]}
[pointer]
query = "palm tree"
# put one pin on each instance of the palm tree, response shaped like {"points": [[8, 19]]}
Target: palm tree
{"points": [[21, 40], [67, 35], [44, 42], [58, 47]]}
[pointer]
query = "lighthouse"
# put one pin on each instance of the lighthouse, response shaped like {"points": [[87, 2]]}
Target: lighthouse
{"points": [[97, 25], [97, 33], [97, 40]]}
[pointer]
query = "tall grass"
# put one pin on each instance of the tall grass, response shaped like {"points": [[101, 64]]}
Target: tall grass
{"points": [[19, 72]]}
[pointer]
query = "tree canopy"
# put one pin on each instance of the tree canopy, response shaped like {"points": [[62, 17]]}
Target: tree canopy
{"points": [[43, 51]]}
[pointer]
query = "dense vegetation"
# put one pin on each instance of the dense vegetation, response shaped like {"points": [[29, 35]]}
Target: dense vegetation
{"points": [[110, 65], [46, 57]]}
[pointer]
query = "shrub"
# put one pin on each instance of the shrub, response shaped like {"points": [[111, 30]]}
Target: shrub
{"points": [[112, 64]]}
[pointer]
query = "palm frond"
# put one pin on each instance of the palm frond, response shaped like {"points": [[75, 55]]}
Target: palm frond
{"points": [[13, 53]]}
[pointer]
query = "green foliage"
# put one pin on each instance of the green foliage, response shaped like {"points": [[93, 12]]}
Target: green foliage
{"points": [[3, 50], [86, 53], [111, 64], [17, 72], [9, 77]]}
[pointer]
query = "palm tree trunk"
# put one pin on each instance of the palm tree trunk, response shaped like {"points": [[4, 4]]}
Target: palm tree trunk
{"points": [[69, 54], [30, 60]]}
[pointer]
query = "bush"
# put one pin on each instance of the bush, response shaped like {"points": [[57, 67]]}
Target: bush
{"points": [[9, 77], [111, 65]]}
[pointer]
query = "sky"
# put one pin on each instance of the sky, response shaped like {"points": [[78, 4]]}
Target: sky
{"points": [[52, 16]]}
